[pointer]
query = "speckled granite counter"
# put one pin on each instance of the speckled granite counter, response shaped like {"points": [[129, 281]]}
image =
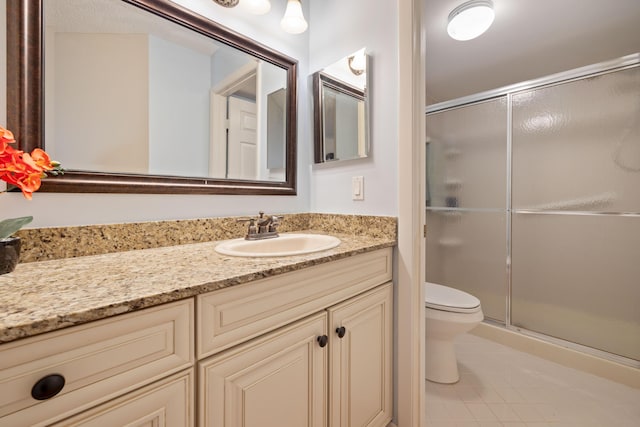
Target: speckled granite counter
{"points": [[41, 244], [48, 295]]}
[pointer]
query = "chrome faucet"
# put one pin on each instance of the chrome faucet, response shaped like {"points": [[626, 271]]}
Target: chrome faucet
{"points": [[263, 227]]}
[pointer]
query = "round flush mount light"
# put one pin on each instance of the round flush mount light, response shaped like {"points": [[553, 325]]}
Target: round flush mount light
{"points": [[470, 19]]}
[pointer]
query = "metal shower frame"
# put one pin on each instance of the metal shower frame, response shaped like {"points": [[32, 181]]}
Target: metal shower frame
{"points": [[625, 62]]}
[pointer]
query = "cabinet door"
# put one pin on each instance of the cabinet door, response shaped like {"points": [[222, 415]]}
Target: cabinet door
{"points": [[165, 403], [274, 381], [361, 361]]}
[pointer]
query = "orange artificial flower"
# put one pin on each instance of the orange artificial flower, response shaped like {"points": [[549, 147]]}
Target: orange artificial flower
{"points": [[42, 159], [6, 136], [21, 169]]}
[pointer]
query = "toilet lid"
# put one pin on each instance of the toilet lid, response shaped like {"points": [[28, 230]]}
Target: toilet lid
{"points": [[449, 299]]}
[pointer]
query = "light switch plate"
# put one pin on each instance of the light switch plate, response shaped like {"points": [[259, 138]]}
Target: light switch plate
{"points": [[357, 188]]}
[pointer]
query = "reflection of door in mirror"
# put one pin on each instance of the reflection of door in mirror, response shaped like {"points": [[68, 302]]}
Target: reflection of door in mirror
{"points": [[234, 133], [242, 150]]}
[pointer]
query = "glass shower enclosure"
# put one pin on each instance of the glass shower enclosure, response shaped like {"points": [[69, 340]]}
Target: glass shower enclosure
{"points": [[533, 205]]}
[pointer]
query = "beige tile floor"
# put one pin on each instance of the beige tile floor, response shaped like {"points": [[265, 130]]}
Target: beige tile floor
{"points": [[503, 387]]}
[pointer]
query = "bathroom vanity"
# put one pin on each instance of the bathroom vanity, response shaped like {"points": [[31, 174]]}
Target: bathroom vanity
{"points": [[183, 336]]}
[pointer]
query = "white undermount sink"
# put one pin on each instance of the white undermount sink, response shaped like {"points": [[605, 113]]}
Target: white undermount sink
{"points": [[283, 245]]}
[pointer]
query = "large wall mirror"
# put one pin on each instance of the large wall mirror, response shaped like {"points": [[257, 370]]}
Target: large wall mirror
{"points": [[145, 96], [341, 109]]}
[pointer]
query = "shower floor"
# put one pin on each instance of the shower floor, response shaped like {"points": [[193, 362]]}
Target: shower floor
{"points": [[501, 387]]}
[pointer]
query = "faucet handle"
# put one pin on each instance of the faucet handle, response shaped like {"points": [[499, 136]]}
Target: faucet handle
{"points": [[275, 221], [251, 221], [251, 229]]}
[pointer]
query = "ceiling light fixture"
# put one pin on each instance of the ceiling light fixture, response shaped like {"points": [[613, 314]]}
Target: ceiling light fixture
{"points": [[470, 19], [293, 20]]}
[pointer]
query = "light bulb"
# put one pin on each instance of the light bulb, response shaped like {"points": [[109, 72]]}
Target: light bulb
{"points": [[357, 63], [256, 7], [293, 20], [470, 19]]}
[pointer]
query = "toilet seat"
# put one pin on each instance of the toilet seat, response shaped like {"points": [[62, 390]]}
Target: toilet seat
{"points": [[444, 298]]}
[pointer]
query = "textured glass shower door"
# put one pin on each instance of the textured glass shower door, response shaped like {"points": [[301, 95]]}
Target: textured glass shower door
{"points": [[466, 202], [533, 205], [576, 211]]}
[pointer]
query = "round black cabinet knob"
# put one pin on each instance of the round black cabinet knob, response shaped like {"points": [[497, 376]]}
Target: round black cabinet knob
{"points": [[323, 340], [47, 387], [341, 331]]}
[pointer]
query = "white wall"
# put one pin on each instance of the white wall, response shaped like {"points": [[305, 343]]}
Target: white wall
{"points": [[104, 81], [51, 209], [337, 29], [271, 79], [179, 84], [225, 62]]}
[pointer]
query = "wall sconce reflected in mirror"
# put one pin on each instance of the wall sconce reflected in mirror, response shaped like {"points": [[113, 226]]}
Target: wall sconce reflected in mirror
{"points": [[292, 22], [357, 63]]}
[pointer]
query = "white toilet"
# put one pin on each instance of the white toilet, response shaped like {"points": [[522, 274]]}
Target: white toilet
{"points": [[449, 312]]}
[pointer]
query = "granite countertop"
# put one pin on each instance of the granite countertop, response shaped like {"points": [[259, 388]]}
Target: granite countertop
{"points": [[49, 295]]}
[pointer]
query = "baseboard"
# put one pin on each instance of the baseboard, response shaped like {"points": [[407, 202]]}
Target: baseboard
{"points": [[565, 356]]}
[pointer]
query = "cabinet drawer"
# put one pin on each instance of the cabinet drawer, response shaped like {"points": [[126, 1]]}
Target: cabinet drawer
{"points": [[231, 316], [99, 361], [165, 403]]}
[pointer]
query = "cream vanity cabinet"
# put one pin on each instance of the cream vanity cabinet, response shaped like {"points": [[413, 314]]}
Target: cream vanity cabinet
{"points": [[135, 369], [307, 348], [310, 347]]}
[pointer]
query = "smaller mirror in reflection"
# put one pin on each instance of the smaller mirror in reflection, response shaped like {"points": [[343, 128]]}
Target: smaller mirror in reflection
{"points": [[341, 109]]}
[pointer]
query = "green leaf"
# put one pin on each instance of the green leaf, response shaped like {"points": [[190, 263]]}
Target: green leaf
{"points": [[11, 225]]}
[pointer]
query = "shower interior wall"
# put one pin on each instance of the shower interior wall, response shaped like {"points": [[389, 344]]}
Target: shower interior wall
{"points": [[533, 206]]}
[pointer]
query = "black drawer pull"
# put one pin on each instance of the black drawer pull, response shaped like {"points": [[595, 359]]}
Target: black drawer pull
{"points": [[341, 331], [47, 387]]}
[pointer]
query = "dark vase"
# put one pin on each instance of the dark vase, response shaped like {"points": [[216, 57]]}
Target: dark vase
{"points": [[9, 254]]}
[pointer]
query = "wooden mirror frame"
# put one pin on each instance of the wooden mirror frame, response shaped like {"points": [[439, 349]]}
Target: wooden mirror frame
{"points": [[25, 105]]}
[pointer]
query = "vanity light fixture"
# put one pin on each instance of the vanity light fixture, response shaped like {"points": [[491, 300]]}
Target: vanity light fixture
{"points": [[256, 7], [227, 3], [470, 19], [293, 21]]}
